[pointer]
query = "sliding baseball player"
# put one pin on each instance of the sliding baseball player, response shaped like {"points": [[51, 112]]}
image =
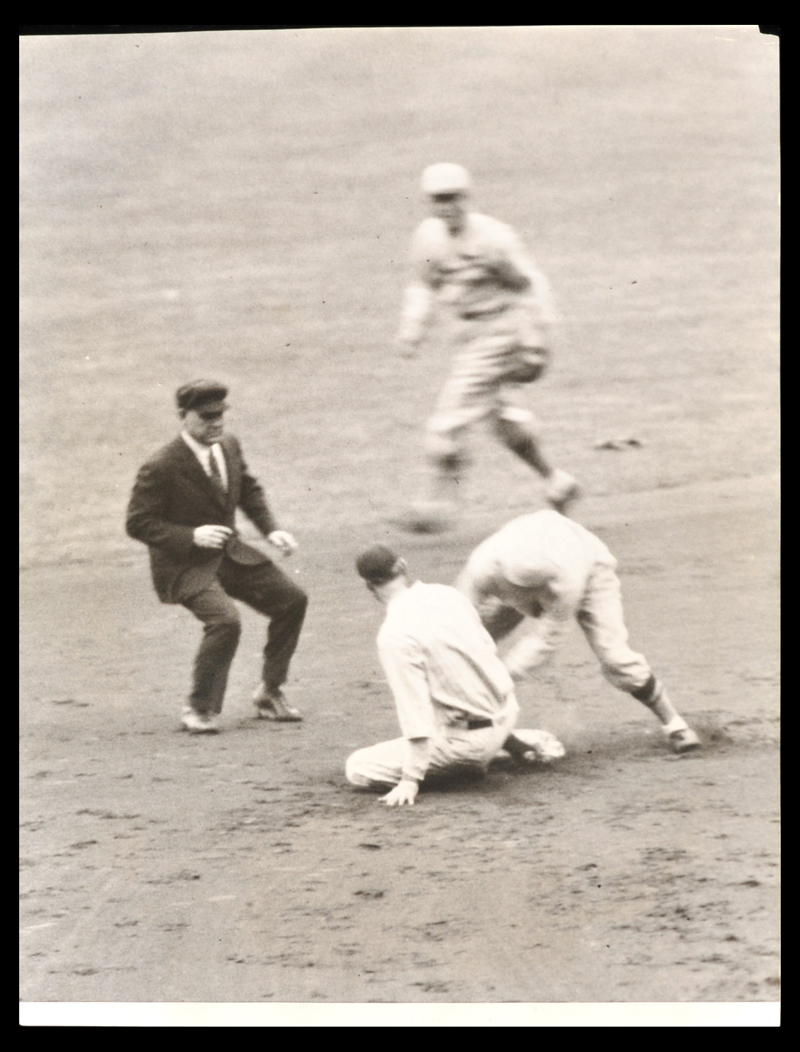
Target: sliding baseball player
{"points": [[455, 700]]}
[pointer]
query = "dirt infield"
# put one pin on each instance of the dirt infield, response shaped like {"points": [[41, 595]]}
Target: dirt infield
{"points": [[239, 206], [166, 868]]}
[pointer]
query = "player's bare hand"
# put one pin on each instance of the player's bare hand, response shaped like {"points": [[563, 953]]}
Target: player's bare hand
{"points": [[212, 536], [405, 792], [283, 541]]}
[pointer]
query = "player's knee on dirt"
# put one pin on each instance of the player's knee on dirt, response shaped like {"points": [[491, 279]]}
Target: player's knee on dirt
{"points": [[352, 771], [360, 769]]}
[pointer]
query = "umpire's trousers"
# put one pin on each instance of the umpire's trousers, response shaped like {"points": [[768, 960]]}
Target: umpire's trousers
{"points": [[267, 589]]}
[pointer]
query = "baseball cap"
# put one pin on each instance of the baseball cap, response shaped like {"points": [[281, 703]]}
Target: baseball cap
{"points": [[445, 179], [201, 392], [378, 564]]}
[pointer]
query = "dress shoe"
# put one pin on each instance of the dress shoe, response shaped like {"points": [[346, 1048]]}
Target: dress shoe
{"points": [[271, 704]]}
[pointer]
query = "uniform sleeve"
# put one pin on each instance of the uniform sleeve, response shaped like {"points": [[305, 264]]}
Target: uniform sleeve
{"points": [[146, 518], [253, 502], [404, 665], [516, 269], [417, 759], [545, 636], [418, 297]]}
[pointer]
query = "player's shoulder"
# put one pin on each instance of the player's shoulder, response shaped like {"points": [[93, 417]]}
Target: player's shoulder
{"points": [[433, 591], [483, 222], [548, 526], [430, 233], [398, 633], [443, 597], [489, 226], [418, 607]]}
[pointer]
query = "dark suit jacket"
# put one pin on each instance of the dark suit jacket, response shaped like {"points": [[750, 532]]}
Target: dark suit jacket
{"points": [[172, 496]]}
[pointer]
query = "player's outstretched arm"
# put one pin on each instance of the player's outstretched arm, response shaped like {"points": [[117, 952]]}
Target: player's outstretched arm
{"points": [[517, 270], [415, 766], [414, 316], [545, 635]]}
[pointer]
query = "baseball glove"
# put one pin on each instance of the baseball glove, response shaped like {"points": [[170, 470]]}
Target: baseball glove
{"points": [[527, 365]]}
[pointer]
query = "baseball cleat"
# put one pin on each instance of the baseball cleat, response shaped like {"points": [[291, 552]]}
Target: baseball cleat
{"points": [[198, 723], [428, 517], [533, 746], [271, 704], [562, 491], [684, 740]]}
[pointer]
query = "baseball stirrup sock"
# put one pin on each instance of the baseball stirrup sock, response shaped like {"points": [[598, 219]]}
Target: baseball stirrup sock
{"points": [[677, 723]]}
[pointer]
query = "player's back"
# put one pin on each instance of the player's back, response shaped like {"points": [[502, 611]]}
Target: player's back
{"points": [[440, 625], [544, 548]]}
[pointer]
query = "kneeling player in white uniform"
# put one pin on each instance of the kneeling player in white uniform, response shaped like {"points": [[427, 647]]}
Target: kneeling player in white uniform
{"points": [[499, 311], [548, 568], [455, 700]]}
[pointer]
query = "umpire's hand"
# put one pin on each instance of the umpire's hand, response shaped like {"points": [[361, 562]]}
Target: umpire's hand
{"points": [[212, 536], [283, 541]]}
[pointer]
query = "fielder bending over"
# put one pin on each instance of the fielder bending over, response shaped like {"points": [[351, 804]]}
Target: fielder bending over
{"points": [[499, 311], [455, 700], [546, 567]]}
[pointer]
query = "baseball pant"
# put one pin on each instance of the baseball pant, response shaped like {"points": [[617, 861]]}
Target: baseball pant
{"points": [[460, 749], [603, 622], [265, 588], [488, 350]]}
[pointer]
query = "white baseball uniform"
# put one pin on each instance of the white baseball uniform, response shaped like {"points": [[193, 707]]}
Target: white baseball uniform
{"points": [[551, 569], [499, 308], [455, 700]]}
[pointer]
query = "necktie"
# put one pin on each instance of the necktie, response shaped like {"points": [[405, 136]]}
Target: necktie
{"points": [[215, 472]]}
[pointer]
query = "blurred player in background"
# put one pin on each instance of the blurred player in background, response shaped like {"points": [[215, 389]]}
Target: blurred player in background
{"points": [[455, 700], [548, 568], [499, 309]]}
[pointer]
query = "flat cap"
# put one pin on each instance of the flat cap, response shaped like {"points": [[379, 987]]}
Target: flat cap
{"points": [[378, 564], [198, 392]]}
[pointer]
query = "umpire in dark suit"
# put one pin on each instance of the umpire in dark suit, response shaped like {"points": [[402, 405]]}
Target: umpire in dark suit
{"points": [[183, 508]]}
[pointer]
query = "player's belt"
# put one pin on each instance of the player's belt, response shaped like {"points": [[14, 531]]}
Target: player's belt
{"points": [[468, 315], [478, 725]]}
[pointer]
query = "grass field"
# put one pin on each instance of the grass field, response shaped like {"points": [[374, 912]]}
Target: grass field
{"points": [[238, 205]]}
